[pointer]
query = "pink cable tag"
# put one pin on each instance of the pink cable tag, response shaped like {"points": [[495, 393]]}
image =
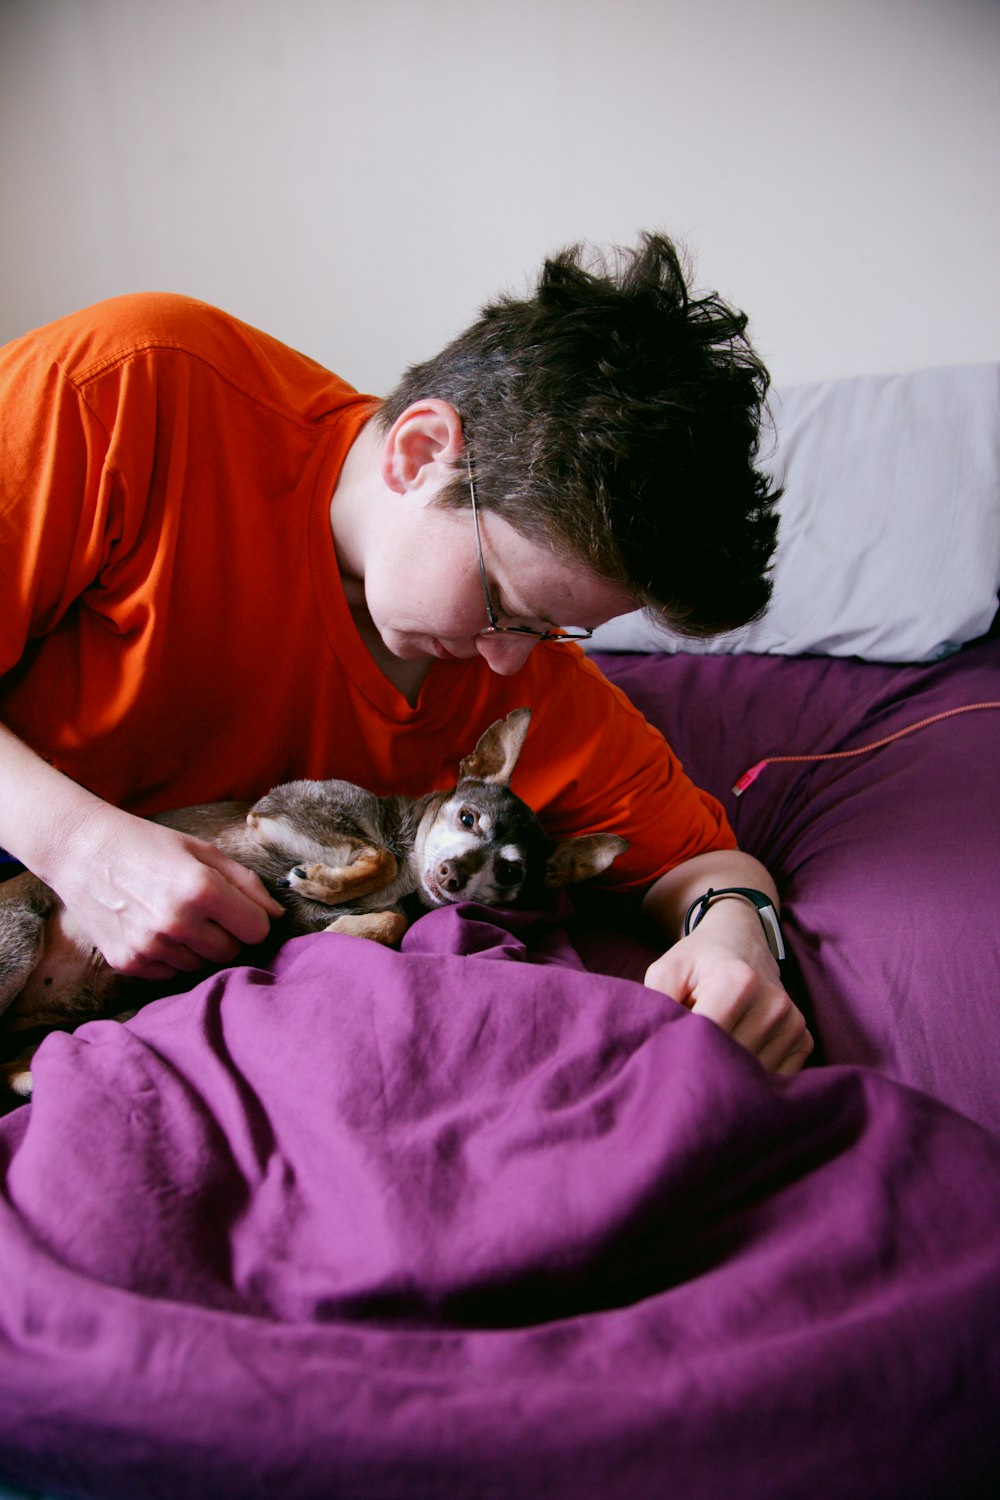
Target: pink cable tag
{"points": [[748, 778]]}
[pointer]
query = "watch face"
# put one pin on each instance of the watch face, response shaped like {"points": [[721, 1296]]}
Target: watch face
{"points": [[772, 930]]}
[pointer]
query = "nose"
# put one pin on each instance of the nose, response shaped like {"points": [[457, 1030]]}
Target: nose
{"points": [[449, 878], [505, 654]]}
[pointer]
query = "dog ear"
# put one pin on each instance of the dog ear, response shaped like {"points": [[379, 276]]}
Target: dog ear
{"points": [[580, 858], [495, 756]]}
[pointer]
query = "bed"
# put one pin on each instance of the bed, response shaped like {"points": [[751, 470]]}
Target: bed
{"points": [[486, 1217]]}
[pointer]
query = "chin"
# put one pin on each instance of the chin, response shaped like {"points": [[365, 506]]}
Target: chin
{"points": [[406, 647], [430, 895]]}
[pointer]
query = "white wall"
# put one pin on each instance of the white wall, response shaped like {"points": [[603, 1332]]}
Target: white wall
{"points": [[356, 176]]}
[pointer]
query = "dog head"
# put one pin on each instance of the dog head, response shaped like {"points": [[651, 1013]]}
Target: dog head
{"points": [[481, 842]]}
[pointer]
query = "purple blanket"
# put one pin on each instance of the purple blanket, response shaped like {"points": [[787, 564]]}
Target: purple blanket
{"points": [[469, 1221], [888, 863]]}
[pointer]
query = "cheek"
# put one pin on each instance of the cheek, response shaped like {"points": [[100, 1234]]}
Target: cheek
{"points": [[429, 595]]}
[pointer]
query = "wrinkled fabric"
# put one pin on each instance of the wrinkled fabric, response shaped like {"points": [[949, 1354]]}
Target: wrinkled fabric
{"points": [[469, 1220], [887, 861]]}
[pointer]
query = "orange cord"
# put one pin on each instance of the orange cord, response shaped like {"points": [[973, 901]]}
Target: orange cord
{"points": [[749, 777]]}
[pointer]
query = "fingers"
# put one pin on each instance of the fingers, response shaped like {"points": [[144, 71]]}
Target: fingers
{"points": [[215, 924], [754, 1010], [798, 1056], [243, 881], [759, 1014], [211, 909], [165, 954], [224, 906], [774, 1030], [672, 975]]}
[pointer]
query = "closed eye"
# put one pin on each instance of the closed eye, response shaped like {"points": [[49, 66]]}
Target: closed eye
{"points": [[511, 618]]}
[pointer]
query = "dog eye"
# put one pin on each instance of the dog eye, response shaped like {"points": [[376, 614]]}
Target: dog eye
{"points": [[509, 871], [467, 818]]}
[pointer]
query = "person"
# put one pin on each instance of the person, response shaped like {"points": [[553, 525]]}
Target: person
{"points": [[223, 567]]}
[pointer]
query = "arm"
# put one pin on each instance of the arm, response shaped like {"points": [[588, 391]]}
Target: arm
{"points": [[724, 969], [152, 900]]}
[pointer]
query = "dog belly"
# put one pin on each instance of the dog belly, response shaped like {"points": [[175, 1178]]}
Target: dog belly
{"points": [[70, 980]]}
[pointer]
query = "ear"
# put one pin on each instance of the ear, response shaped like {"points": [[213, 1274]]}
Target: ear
{"points": [[580, 858], [495, 756], [424, 435]]}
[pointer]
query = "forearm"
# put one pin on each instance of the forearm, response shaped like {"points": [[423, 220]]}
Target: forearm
{"points": [[42, 812], [668, 901]]}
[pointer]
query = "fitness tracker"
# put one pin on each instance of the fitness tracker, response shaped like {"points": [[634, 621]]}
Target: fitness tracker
{"points": [[765, 910]]}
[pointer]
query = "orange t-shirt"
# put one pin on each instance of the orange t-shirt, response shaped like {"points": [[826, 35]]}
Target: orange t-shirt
{"points": [[173, 627]]}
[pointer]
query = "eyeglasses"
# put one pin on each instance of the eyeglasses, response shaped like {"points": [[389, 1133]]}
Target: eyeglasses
{"points": [[493, 628]]}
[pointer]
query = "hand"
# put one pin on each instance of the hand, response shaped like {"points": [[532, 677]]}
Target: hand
{"points": [[724, 971], [154, 901]]}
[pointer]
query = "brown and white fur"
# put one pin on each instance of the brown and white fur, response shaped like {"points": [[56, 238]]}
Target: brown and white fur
{"points": [[316, 845]]}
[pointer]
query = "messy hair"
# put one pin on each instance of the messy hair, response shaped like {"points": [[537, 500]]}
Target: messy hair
{"points": [[615, 418]]}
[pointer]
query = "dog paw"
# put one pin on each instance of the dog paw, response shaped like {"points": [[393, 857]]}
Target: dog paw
{"points": [[16, 1075], [370, 869], [320, 883], [385, 927]]}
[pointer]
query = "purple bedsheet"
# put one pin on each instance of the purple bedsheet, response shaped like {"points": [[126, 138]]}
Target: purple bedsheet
{"points": [[469, 1221], [888, 864]]}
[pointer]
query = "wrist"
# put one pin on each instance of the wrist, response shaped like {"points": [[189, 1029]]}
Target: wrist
{"points": [[759, 901], [45, 812]]}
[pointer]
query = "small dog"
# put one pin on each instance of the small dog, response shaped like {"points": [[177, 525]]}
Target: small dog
{"points": [[316, 845]]}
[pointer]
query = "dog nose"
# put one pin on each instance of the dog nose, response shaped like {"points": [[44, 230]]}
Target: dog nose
{"points": [[448, 876]]}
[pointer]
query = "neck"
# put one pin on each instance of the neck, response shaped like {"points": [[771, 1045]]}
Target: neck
{"points": [[407, 677], [358, 489]]}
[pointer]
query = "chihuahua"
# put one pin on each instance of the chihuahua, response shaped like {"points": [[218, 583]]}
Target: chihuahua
{"points": [[339, 858]]}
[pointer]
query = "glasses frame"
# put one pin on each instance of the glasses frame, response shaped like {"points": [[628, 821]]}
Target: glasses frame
{"points": [[556, 635]]}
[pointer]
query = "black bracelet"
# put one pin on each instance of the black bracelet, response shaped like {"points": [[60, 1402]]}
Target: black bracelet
{"points": [[765, 910]]}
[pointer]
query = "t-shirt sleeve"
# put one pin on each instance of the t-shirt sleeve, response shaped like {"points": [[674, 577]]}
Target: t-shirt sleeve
{"points": [[592, 763], [53, 497]]}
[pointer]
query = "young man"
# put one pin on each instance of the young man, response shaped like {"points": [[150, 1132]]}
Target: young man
{"points": [[222, 568]]}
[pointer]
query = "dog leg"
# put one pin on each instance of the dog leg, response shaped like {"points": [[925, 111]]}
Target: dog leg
{"points": [[386, 927], [15, 1073], [371, 869]]}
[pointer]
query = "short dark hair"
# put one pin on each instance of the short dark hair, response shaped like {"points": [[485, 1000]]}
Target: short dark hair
{"points": [[615, 417]]}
